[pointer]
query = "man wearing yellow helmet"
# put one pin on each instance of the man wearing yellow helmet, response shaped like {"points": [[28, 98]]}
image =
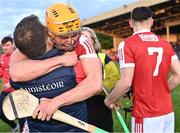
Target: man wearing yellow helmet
{"points": [[64, 29], [56, 88], [63, 25]]}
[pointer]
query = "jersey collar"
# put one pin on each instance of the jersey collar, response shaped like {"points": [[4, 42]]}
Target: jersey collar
{"points": [[141, 31]]}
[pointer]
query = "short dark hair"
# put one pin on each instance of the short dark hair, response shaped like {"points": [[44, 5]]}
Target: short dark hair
{"points": [[141, 13], [30, 36], [6, 39]]}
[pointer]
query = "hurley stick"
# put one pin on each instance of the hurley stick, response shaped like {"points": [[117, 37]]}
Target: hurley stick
{"points": [[21, 103], [119, 116]]}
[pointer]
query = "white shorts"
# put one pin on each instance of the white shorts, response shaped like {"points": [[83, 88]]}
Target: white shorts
{"points": [[160, 124]]}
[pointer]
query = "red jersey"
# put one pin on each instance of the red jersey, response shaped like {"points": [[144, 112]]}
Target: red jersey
{"points": [[78, 69], [4, 71], [84, 49], [151, 58]]}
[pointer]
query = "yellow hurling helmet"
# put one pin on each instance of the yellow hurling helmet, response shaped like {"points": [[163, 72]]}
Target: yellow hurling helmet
{"points": [[62, 19]]}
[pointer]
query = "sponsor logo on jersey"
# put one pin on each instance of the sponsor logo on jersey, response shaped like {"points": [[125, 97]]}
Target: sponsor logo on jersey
{"points": [[46, 87], [149, 38]]}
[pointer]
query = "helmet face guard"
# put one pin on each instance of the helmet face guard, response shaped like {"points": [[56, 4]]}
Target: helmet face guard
{"points": [[61, 20], [69, 35], [62, 44]]}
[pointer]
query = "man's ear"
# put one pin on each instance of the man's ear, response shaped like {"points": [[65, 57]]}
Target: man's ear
{"points": [[49, 41], [152, 21], [131, 23]]}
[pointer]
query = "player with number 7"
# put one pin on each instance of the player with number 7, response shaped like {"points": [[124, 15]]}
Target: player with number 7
{"points": [[145, 62]]}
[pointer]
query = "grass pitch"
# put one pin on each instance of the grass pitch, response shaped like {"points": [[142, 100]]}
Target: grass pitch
{"points": [[117, 127]]}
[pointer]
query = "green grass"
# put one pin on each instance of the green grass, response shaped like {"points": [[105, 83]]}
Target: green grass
{"points": [[117, 127], [3, 126], [176, 102]]}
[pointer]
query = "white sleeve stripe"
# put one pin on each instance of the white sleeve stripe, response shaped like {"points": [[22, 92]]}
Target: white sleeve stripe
{"points": [[84, 45], [92, 49], [121, 52], [122, 62], [127, 65], [88, 46], [174, 57], [88, 56]]}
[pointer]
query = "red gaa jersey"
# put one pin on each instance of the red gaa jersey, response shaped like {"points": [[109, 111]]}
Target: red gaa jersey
{"points": [[78, 69], [151, 58], [84, 49], [4, 71]]}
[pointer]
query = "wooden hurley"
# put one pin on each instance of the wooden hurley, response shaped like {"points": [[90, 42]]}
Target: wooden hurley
{"points": [[21, 104]]}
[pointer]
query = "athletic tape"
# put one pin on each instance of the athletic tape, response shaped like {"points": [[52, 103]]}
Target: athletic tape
{"points": [[13, 105]]}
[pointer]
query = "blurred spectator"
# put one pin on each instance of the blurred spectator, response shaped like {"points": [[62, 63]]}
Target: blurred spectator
{"points": [[172, 44], [114, 56], [98, 113], [7, 50], [177, 48]]}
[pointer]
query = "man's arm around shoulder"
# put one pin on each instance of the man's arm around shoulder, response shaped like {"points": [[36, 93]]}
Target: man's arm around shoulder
{"points": [[36, 68], [90, 86]]}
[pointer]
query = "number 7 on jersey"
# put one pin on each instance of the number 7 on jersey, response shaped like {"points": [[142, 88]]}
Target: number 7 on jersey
{"points": [[159, 51]]}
